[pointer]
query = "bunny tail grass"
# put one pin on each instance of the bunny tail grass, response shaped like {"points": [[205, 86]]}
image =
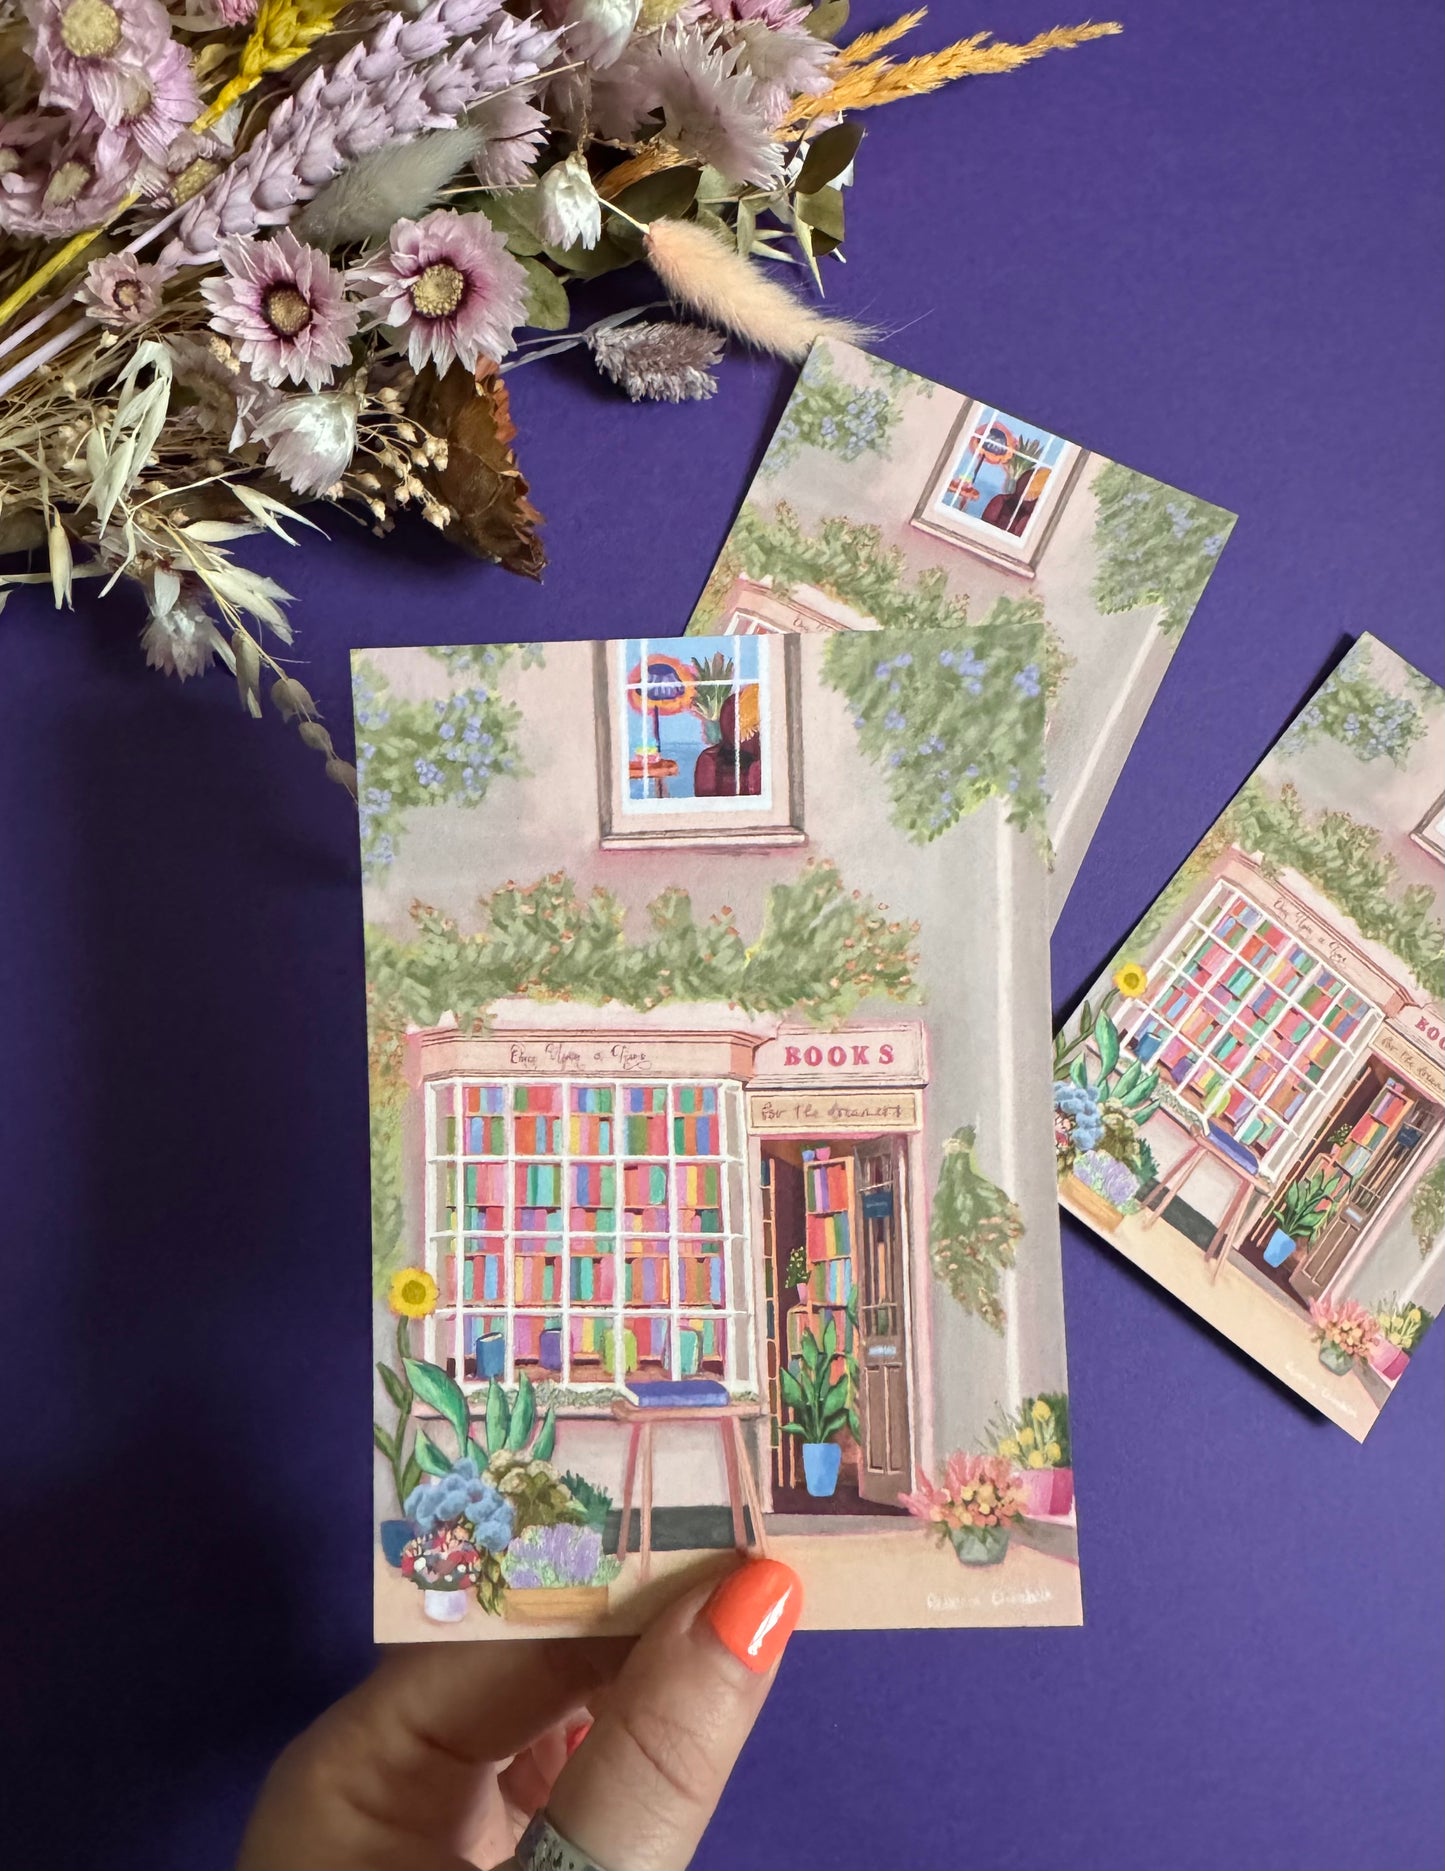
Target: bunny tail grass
{"points": [[393, 183], [728, 290]]}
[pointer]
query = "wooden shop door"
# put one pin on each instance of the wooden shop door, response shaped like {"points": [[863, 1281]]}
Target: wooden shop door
{"points": [[882, 1350]]}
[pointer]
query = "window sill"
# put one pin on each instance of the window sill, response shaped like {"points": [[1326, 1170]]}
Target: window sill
{"points": [[1021, 568], [733, 839]]}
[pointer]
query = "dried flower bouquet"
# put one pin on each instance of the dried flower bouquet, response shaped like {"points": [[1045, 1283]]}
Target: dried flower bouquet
{"points": [[256, 252]]}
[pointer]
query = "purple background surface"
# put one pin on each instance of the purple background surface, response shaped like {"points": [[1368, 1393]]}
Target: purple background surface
{"points": [[1210, 249]]}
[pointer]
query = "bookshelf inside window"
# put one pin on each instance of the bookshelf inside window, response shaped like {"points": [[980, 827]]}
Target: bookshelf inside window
{"points": [[1249, 1025], [587, 1231]]}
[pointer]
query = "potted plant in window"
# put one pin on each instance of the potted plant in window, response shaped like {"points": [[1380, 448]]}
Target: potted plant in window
{"points": [[1035, 1440], [1346, 1331], [819, 1403], [974, 1508], [1301, 1211], [1401, 1329], [796, 1275]]}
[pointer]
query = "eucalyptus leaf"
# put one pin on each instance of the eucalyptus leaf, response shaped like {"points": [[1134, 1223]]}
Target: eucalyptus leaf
{"points": [[715, 225], [665, 195], [828, 19], [828, 156], [547, 307], [823, 212], [508, 215]]}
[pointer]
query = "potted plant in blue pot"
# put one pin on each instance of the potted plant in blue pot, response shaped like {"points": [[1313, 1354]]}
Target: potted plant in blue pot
{"points": [[1300, 1211], [819, 1403]]}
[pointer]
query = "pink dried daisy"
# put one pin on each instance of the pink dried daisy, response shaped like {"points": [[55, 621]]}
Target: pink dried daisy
{"points": [[120, 291], [283, 305], [87, 51], [159, 104], [55, 180], [450, 285]]}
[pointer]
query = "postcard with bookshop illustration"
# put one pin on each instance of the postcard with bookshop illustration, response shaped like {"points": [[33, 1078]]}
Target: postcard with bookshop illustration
{"points": [[713, 1195], [887, 500], [1249, 1102]]}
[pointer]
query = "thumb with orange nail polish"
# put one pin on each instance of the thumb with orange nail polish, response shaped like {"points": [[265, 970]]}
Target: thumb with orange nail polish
{"points": [[639, 1790]]}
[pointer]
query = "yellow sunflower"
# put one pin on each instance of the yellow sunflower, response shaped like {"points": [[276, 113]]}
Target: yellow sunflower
{"points": [[413, 1293], [1132, 980]]}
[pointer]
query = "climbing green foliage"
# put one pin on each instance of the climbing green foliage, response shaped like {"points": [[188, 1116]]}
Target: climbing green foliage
{"points": [[1427, 1207], [430, 753], [1155, 545], [821, 951], [827, 412], [1352, 864], [1353, 708], [953, 720], [974, 1230]]}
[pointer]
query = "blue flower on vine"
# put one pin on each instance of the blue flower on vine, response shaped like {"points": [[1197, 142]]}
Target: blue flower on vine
{"points": [[428, 772], [1027, 680], [894, 721]]}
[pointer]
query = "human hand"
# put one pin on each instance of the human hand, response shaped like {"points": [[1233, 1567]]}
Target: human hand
{"points": [[442, 1756]]}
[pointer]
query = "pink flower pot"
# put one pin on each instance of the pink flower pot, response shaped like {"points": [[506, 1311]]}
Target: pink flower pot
{"points": [[1046, 1491], [1389, 1360]]}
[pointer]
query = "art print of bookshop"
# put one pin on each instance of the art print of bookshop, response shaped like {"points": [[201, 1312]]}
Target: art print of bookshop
{"points": [[623, 1210], [1289, 1050]]}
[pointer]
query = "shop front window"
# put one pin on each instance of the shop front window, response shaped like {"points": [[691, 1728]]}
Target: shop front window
{"points": [[999, 486], [587, 1232], [1248, 1025], [696, 741]]}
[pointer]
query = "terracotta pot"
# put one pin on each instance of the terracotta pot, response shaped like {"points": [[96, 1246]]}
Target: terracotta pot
{"points": [[1046, 1491], [1089, 1202], [551, 1604]]}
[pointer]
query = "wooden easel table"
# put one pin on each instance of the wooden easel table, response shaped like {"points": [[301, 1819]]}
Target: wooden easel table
{"points": [[742, 1485]]}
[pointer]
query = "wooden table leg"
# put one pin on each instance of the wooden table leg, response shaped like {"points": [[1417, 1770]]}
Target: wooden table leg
{"points": [[1219, 1244], [727, 1427], [644, 1548], [750, 1487], [1171, 1184], [628, 1477]]}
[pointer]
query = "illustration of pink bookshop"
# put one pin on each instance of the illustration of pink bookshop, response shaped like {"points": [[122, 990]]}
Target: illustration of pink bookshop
{"points": [[1251, 1104], [704, 1217]]}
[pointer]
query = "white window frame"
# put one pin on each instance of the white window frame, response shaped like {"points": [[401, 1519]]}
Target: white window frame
{"points": [[1019, 554], [1430, 832], [1294, 1132], [772, 817], [444, 1332]]}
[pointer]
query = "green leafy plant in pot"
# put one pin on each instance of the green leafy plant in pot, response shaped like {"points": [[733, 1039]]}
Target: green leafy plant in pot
{"points": [[1300, 1212], [819, 1403]]}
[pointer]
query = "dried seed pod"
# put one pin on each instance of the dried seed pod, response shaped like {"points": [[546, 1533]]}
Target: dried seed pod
{"points": [[343, 773], [248, 668], [315, 737], [292, 698]]}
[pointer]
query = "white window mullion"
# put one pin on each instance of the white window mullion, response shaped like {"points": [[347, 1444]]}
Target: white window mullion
{"points": [[619, 1235], [564, 1272], [509, 1235], [734, 1249], [674, 1254]]}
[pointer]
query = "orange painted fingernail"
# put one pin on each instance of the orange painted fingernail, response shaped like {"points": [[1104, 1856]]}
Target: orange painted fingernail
{"points": [[754, 1610]]}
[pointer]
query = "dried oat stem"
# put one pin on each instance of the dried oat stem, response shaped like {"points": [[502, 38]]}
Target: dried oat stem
{"points": [[869, 44]]}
